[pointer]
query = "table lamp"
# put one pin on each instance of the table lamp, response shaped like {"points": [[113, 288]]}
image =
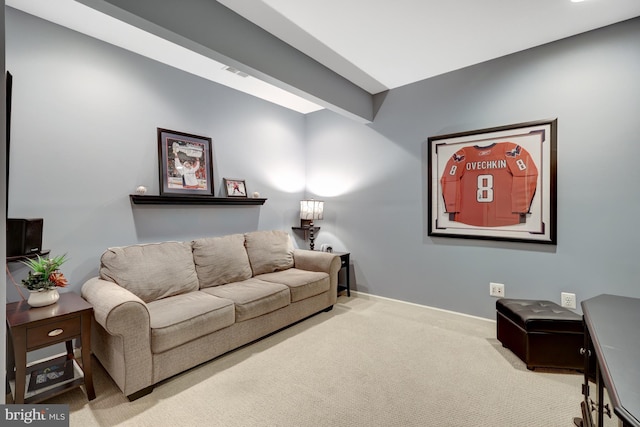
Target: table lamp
{"points": [[310, 210]]}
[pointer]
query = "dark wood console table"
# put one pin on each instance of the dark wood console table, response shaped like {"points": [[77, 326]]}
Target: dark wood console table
{"points": [[612, 338]]}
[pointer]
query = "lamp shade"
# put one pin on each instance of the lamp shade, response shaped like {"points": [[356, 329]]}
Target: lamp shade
{"points": [[311, 209]]}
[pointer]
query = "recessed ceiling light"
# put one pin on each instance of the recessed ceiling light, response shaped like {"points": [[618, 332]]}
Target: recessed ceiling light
{"points": [[577, 1]]}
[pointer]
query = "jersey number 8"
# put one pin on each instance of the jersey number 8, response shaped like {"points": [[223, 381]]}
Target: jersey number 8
{"points": [[484, 193]]}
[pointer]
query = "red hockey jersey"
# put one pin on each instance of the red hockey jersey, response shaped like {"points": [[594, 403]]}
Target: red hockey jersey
{"points": [[489, 186]]}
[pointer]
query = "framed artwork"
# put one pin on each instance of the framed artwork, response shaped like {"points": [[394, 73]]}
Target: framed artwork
{"points": [[186, 164], [235, 187], [497, 183]]}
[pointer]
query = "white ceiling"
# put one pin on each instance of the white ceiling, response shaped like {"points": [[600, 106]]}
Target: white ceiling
{"points": [[376, 44], [384, 44]]}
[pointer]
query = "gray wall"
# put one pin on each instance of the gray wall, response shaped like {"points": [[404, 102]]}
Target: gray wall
{"points": [[373, 177], [84, 124], [84, 136]]}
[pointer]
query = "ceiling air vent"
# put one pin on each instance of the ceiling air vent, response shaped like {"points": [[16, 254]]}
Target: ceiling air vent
{"points": [[237, 72]]}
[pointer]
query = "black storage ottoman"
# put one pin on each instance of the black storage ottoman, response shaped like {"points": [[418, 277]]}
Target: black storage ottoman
{"points": [[541, 333]]}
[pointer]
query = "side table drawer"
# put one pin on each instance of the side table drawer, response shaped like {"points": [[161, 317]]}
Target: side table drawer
{"points": [[53, 332]]}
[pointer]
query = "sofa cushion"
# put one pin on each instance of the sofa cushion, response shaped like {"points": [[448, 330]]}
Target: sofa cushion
{"points": [[221, 260], [253, 297], [269, 251], [178, 319], [302, 284], [151, 271]]}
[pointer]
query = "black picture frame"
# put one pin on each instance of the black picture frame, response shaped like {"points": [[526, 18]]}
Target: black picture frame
{"points": [[497, 183], [235, 187], [191, 153]]}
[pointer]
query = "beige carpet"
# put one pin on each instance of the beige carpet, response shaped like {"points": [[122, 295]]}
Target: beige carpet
{"points": [[369, 362]]}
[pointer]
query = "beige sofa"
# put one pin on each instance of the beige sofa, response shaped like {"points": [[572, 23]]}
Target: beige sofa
{"points": [[162, 308]]}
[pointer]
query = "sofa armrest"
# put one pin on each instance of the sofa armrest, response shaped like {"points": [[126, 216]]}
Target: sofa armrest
{"points": [[123, 337], [116, 308], [319, 261]]}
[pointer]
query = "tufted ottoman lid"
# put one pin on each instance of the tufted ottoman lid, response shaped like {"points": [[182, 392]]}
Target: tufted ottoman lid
{"points": [[540, 316]]}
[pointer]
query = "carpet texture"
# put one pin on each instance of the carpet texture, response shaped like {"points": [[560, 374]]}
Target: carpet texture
{"points": [[369, 362]]}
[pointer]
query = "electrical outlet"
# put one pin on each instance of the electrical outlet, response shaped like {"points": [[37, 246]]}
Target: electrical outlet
{"points": [[568, 300], [496, 289]]}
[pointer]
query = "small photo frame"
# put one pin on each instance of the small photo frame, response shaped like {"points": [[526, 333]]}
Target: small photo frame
{"points": [[235, 187], [186, 164]]}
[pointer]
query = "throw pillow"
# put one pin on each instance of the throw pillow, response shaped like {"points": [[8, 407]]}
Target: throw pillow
{"points": [[221, 260], [151, 271], [269, 251]]}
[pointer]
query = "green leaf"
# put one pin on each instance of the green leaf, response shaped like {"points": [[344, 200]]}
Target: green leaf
{"points": [[42, 268]]}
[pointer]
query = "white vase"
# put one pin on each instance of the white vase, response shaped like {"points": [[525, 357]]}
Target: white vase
{"points": [[43, 298]]}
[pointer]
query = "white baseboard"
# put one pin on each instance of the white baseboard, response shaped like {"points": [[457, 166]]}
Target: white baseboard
{"points": [[364, 295]]}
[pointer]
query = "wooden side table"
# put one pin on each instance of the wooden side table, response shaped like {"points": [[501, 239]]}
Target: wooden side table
{"points": [[344, 259], [30, 329]]}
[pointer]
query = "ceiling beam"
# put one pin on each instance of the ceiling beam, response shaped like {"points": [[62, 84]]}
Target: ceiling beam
{"points": [[211, 29]]}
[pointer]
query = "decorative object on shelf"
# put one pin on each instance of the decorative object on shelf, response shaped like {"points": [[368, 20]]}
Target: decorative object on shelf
{"points": [[186, 163], [497, 183], [44, 279], [235, 187], [310, 210], [141, 189], [256, 195]]}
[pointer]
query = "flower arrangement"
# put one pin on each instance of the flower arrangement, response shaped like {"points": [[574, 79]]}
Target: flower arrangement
{"points": [[45, 274]]}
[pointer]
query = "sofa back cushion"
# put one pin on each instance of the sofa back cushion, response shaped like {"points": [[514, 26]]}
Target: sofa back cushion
{"points": [[269, 251], [151, 271], [221, 260]]}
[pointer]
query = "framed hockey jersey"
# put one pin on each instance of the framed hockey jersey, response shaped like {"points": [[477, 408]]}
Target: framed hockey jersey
{"points": [[497, 183]]}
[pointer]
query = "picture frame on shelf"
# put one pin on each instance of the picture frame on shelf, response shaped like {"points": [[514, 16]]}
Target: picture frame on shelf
{"points": [[185, 164], [235, 187], [495, 184]]}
